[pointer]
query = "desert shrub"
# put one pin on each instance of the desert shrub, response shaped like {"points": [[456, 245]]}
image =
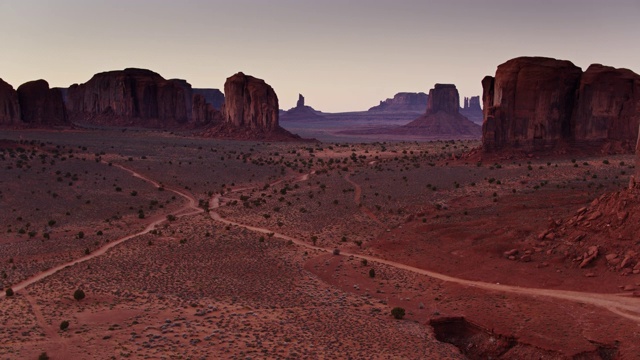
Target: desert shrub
{"points": [[336, 251], [372, 273], [78, 294], [364, 262], [80, 235], [9, 292], [398, 312], [43, 356], [64, 325]]}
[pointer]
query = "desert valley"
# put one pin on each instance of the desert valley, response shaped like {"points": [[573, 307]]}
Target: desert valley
{"points": [[142, 218]]}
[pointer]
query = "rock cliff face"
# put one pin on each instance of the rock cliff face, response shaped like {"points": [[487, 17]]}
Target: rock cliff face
{"points": [[135, 97], [638, 159], [403, 102], [40, 105], [608, 105], [530, 104], [442, 117], [250, 103], [537, 103], [9, 106]]}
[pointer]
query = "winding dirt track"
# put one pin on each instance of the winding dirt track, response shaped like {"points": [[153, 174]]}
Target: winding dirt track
{"points": [[357, 198], [620, 304], [191, 208], [624, 306]]}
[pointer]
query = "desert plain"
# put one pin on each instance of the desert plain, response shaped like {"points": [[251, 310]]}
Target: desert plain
{"points": [[192, 248]]}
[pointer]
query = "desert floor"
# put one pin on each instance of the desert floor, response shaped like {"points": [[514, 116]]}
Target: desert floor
{"points": [[191, 248]]}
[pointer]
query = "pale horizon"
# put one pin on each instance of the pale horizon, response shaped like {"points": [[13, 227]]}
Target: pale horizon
{"points": [[342, 56]]}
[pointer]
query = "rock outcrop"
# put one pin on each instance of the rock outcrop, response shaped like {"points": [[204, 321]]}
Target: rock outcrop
{"points": [[530, 103], [136, 97], [301, 112], [637, 177], [250, 111], [536, 103], [9, 106], [608, 105], [472, 103], [250, 103], [442, 117], [214, 97], [472, 110], [403, 102], [40, 105], [300, 102]]}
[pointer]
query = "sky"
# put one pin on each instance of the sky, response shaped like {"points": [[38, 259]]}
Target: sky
{"points": [[342, 55]]}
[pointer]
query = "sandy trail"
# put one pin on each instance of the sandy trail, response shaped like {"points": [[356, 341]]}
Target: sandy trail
{"points": [[620, 304], [191, 208], [357, 198], [624, 306]]}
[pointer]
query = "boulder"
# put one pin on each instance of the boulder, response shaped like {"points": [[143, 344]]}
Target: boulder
{"points": [[9, 106], [403, 102], [40, 105], [250, 103], [529, 103]]}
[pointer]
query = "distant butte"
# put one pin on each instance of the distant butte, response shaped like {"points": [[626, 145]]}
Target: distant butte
{"points": [[403, 102], [443, 117], [536, 103], [301, 112]]}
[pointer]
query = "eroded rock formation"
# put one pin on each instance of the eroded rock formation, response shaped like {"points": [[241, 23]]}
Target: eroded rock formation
{"points": [[136, 97], [442, 117], [608, 105], [214, 97], [9, 106], [472, 103], [530, 103], [637, 177], [472, 110], [403, 102], [301, 112], [538, 103], [40, 105], [250, 103]]}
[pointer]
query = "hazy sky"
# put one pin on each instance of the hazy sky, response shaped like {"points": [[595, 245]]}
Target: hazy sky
{"points": [[341, 54]]}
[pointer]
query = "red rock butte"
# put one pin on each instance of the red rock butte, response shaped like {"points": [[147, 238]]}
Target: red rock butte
{"points": [[536, 103], [138, 97], [442, 116]]}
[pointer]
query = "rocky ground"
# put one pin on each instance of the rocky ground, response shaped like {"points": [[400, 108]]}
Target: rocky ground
{"points": [[512, 258]]}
